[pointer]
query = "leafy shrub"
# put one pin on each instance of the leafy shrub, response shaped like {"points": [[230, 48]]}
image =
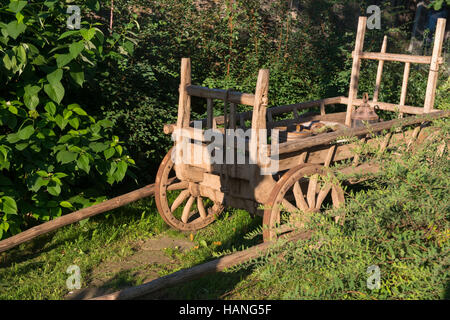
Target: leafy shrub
{"points": [[53, 155]]}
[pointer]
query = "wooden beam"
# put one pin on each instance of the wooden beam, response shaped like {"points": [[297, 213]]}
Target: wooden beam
{"points": [[380, 71], [220, 94], [404, 86], [396, 57], [184, 103], [430, 95], [354, 80], [390, 106]]}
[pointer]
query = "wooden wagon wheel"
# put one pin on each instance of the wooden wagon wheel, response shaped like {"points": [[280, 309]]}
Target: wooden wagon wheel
{"points": [[301, 191], [178, 202]]}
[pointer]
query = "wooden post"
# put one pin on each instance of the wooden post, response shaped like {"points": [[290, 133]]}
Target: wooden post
{"points": [[354, 81], [404, 86], [209, 113], [380, 71], [259, 111], [322, 108], [434, 66], [184, 103]]}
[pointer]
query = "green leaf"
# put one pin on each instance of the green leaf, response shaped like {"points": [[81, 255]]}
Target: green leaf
{"points": [[31, 97], [12, 138], [40, 182], [75, 123], [61, 122], [54, 189], [98, 146], [17, 6], [83, 163], [68, 34], [15, 28], [50, 107], [55, 77], [9, 205], [55, 91], [26, 133], [79, 111], [77, 74], [87, 34], [66, 204], [63, 59], [66, 157], [76, 48], [109, 153], [121, 171]]}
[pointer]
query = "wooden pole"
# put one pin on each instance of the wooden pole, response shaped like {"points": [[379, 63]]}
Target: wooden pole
{"points": [[404, 86], [434, 66], [185, 275], [76, 216], [380, 71], [354, 81]]}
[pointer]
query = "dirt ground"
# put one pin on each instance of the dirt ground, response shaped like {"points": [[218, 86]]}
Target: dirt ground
{"points": [[149, 258]]}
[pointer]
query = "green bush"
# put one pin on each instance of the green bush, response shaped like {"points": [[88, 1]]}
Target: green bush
{"points": [[54, 156]]}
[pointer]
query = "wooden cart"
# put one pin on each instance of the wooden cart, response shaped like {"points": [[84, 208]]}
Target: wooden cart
{"points": [[189, 194]]}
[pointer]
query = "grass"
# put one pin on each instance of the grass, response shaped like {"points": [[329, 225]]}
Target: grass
{"points": [[37, 270]]}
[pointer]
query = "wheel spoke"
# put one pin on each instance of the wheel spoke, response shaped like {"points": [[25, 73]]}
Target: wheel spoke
{"points": [[201, 208], [187, 209], [311, 195], [178, 186], [299, 198], [322, 195], [289, 206], [179, 200]]}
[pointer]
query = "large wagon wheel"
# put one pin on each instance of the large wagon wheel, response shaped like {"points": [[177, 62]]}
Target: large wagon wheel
{"points": [[179, 202], [301, 191]]}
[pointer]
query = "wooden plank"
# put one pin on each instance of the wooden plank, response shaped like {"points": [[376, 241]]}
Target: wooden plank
{"points": [[390, 106], [404, 86], [184, 103], [198, 271], [430, 94], [396, 57], [169, 128], [380, 71], [208, 93], [209, 113], [354, 80]]}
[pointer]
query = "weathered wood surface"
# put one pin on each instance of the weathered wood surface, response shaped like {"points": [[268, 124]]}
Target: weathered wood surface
{"points": [[406, 58], [356, 66], [233, 96], [433, 75], [201, 270]]}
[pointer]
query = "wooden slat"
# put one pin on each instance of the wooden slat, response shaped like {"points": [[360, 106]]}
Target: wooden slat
{"points": [[354, 80], [380, 71], [184, 103], [391, 107], [396, 57], [430, 95], [404, 86], [209, 113], [234, 97]]}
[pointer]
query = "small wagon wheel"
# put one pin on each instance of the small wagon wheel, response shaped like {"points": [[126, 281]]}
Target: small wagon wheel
{"points": [[179, 202], [301, 191]]}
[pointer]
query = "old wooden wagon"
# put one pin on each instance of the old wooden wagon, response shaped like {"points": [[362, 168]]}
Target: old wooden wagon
{"points": [[190, 194]]}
